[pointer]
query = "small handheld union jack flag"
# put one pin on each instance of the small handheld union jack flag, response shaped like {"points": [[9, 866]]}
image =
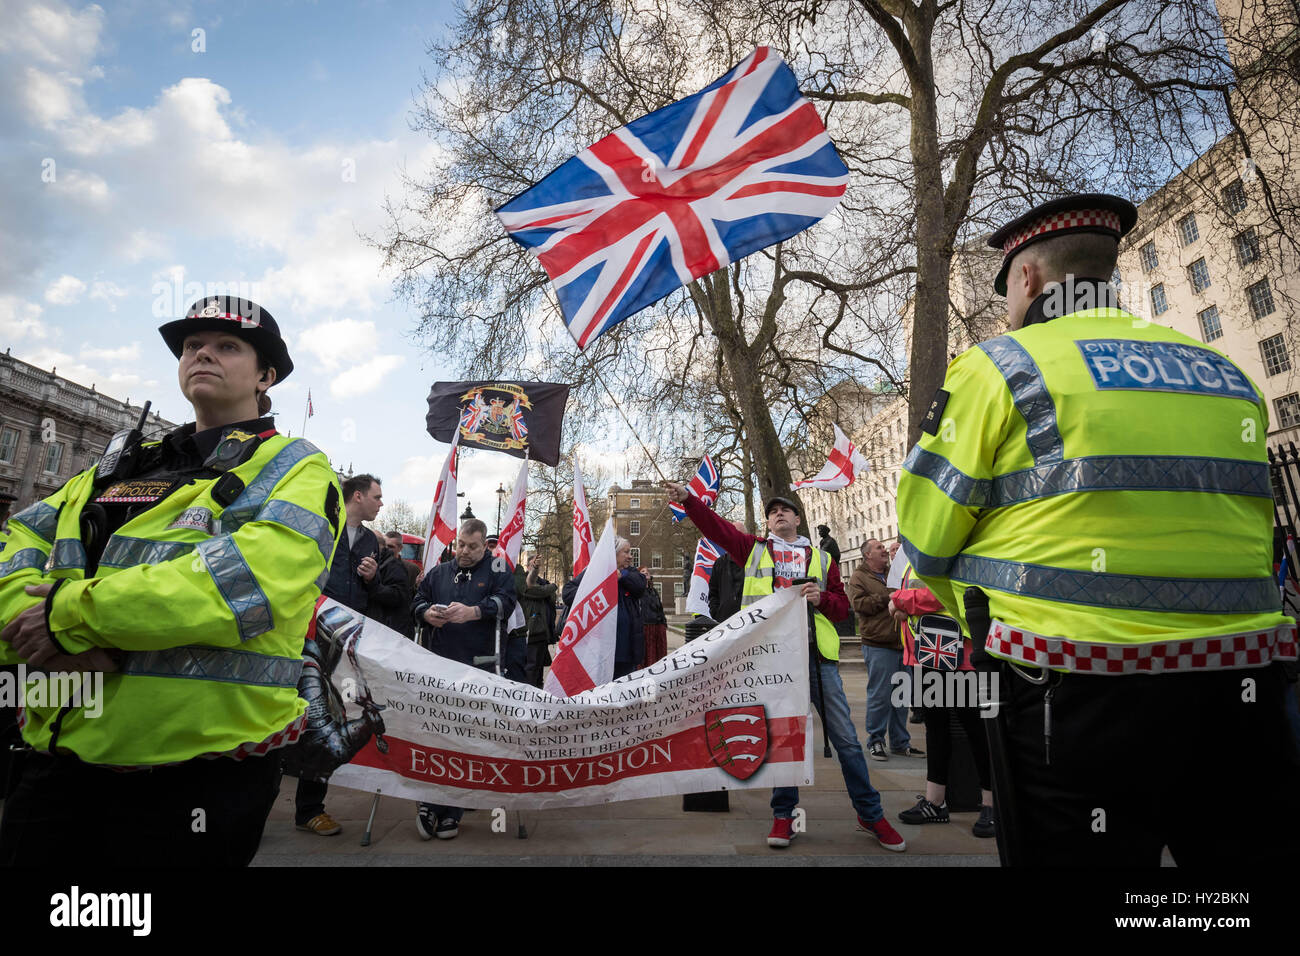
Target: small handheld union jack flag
{"points": [[679, 193], [938, 643], [704, 486]]}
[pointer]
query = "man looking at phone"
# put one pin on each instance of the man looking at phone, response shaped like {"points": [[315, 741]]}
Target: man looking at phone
{"points": [[779, 560], [463, 601]]}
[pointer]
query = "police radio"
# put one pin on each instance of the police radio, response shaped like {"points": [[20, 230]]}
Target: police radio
{"points": [[122, 452]]}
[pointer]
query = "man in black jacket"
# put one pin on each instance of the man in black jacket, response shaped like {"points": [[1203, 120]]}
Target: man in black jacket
{"points": [[537, 601], [464, 601], [353, 579], [390, 593]]}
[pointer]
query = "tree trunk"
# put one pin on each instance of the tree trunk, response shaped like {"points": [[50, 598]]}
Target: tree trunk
{"points": [[929, 352]]}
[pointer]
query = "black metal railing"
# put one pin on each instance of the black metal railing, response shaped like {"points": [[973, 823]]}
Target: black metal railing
{"points": [[1284, 475]]}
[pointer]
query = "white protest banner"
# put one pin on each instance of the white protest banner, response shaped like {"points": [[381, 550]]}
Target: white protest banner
{"points": [[584, 656], [897, 568], [730, 710]]}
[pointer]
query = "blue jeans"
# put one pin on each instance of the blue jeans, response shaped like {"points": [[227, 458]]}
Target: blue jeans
{"points": [[882, 664], [839, 725]]}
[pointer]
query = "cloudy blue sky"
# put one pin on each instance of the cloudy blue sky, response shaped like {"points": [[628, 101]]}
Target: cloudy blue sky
{"points": [[140, 157]]}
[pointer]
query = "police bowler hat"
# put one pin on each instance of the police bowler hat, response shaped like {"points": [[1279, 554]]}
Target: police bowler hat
{"points": [[239, 317], [1082, 212]]}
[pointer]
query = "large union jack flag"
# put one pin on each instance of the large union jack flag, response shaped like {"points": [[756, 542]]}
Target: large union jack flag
{"points": [[704, 485], [674, 195]]}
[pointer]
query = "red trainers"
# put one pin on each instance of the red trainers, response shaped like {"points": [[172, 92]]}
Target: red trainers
{"points": [[782, 832], [883, 832]]}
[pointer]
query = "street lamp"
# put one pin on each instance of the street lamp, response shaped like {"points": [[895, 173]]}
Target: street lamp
{"points": [[501, 501], [468, 512]]}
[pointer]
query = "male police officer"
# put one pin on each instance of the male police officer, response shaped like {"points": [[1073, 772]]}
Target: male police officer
{"points": [[1101, 483], [183, 572]]}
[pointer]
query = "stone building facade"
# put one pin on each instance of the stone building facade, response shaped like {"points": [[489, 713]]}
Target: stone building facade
{"points": [[52, 428]]}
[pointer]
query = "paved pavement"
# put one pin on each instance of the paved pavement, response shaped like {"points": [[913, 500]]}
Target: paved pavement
{"points": [[651, 832]]}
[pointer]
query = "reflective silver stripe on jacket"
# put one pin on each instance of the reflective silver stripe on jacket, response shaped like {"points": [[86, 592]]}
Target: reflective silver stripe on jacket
{"points": [[234, 579], [20, 561], [124, 552], [951, 480], [313, 526], [246, 506], [196, 662], [922, 563], [1224, 476], [41, 519], [1139, 592], [68, 553], [1029, 392]]}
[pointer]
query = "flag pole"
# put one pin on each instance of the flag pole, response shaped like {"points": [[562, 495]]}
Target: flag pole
{"points": [[596, 372], [303, 433]]}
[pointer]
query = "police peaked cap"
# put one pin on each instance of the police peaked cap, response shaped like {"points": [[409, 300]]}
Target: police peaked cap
{"points": [[240, 317], [778, 500], [1082, 212]]}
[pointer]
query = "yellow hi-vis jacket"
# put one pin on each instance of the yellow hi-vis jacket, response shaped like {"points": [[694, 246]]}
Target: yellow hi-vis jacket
{"points": [[759, 571], [211, 604], [1105, 481]]}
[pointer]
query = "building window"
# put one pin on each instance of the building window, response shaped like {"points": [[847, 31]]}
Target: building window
{"points": [[1288, 410], [1234, 197], [1187, 229], [54, 457], [1159, 304], [1261, 299], [1273, 351], [1247, 244], [634, 526], [636, 503], [678, 589], [8, 445], [656, 561], [636, 557], [680, 561], [1211, 328], [1149, 258], [1199, 273]]}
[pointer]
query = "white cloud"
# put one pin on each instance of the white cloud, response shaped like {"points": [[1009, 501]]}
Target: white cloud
{"points": [[338, 343], [81, 187], [52, 34], [107, 291], [143, 244], [126, 353], [20, 319], [65, 290], [119, 382], [365, 377]]}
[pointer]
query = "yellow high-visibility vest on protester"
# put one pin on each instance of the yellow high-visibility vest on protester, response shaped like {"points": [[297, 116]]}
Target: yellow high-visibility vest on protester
{"points": [[759, 571], [1106, 540], [210, 604]]}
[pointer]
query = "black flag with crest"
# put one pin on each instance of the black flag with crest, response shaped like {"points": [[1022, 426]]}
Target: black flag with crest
{"points": [[512, 417]]}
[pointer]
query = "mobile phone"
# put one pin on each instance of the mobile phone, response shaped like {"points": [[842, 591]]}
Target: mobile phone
{"points": [[802, 580], [439, 607]]}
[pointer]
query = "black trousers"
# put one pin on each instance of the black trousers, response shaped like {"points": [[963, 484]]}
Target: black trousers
{"points": [[1201, 762], [198, 813], [539, 658], [938, 743], [309, 800]]}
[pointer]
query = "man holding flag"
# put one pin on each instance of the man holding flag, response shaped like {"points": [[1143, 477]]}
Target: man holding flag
{"points": [[778, 561]]}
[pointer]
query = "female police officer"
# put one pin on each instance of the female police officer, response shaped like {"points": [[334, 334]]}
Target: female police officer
{"points": [[179, 576]]}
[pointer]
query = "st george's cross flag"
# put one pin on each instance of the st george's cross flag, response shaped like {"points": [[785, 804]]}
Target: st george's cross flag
{"points": [[679, 193], [585, 651], [511, 537], [581, 524], [441, 529], [844, 464], [704, 486]]}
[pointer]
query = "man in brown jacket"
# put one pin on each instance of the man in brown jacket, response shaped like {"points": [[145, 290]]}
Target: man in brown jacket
{"points": [[882, 649]]}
